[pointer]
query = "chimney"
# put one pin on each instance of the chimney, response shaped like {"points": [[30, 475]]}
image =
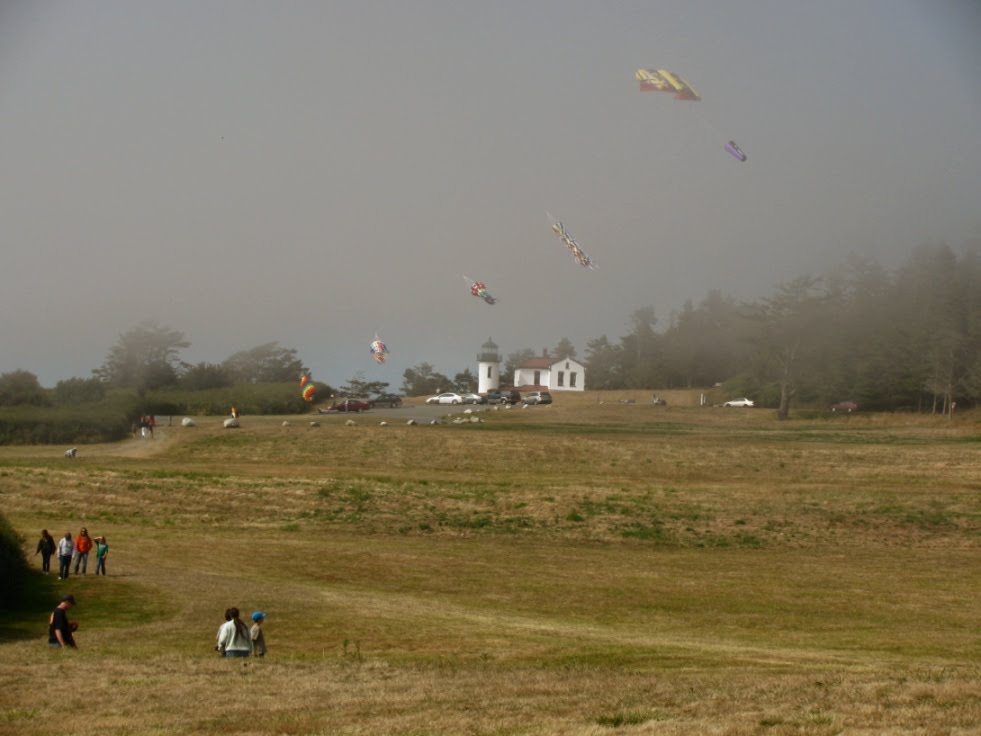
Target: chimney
{"points": [[544, 352]]}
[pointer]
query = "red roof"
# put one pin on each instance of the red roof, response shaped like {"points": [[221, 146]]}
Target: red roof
{"points": [[545, 362]]}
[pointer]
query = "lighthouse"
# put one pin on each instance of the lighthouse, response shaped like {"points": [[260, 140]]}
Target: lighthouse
{"points": [[488, 368]]}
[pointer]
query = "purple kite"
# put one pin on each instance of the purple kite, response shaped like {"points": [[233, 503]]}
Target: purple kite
{"points": [[735, 150]]}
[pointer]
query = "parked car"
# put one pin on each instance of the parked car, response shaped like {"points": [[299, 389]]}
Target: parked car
{"points": [[473, 398], [350, 405], [445, 398], [846, 406], [502, 397], [538, 397], [393, 401], [739, 402]]}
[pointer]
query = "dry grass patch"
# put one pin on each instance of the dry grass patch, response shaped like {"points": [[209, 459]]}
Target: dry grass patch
{"points": [[626, 569]]}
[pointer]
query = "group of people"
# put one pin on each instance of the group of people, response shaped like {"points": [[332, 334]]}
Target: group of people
{"points": [[69, 549], [146, 424], [235, 639]]}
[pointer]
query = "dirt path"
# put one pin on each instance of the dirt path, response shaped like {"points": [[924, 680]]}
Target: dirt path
{"points": [[164, 436]]}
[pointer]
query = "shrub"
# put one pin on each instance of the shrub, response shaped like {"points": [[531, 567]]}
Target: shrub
{"points": [[26, 425], [13, 566]]}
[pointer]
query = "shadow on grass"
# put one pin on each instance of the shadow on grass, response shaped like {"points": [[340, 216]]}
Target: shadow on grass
{"points": [[102, 602], [29, 620]]}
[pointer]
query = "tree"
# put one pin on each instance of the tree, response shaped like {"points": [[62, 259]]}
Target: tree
{"points": [[513, 361], [603, 365], [79, 390], [357, 386], [422, 379], [640, 351], [204, 376], [21, 387], [267, 363], [789, 338], [565, 349], [465, 382], [145, 357]]}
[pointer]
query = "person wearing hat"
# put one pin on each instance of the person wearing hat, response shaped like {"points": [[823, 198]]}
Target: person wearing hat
{"points": [[258, 636], [60, 629]]}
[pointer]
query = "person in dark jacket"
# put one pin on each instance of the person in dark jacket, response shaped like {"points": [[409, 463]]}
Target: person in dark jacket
{"points": [[46, 547], [61, 631]]}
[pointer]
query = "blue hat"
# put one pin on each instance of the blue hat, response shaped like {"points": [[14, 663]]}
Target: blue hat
{"points": [[257, 615]]}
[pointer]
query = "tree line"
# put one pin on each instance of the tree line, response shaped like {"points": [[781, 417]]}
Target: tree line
{"points": [[907, 339]]}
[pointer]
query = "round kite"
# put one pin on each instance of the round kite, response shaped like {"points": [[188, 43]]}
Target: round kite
{"points": [[479, 289], [379, 351]]}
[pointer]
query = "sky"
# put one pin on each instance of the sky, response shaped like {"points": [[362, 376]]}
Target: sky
{"points": [[316, 173]]}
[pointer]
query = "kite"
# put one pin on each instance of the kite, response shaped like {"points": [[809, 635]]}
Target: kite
{"points": [[735, 150], [479, 288], [308, 389], [379, 350], [661, 80], [577, 252]]}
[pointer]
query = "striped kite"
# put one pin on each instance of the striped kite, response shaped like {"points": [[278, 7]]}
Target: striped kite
{"points": [[577, 252]]}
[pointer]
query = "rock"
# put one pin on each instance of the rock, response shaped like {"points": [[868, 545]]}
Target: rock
{"points": [[383, 424], [314, 424], [350, 422], [286, 424], [231, 423], [475, 420], [411, 422], [468, 411], [188, 422]]}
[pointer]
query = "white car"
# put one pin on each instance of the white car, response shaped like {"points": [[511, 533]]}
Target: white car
{"points": [[446, 398], [740, 402]]}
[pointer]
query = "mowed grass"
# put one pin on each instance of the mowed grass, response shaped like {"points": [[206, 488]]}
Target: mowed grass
{"points": [[585, 568]]}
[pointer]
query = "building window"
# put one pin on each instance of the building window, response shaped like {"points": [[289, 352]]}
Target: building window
{"points": [[538, 377], [572, 380], [567, 365], [488, 371], [561, 381]]}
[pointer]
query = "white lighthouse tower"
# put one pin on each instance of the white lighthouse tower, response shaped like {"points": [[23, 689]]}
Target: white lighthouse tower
{"points": [[488, 368]]}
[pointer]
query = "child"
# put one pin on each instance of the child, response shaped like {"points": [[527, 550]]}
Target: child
{"points": [[101, 551], [258, 636]]}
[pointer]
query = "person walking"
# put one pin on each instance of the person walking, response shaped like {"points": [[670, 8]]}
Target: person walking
{"points": [[101, 552], [83, 545], [234, 639], [66, 547], [46, 547], [61, 631], [258, 635]]}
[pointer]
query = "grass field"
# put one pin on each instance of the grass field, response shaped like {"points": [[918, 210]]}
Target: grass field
{"points": [[586, 568]]}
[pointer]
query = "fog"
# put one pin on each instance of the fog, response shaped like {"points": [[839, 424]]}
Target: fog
{"points": [[316, 173]]}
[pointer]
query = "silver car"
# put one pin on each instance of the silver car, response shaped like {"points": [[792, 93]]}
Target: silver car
{"points": [[445, 398]]}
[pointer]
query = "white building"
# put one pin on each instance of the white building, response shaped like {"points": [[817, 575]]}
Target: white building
{"points": [[488, 368], [538, 374], [550, 374]]}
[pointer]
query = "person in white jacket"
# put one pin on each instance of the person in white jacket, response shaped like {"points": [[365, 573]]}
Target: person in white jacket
{"points": [[66, 548], [234, 639]]}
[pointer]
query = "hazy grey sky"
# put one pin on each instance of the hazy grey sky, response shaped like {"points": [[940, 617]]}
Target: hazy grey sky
{"points": [[315, 172]]}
